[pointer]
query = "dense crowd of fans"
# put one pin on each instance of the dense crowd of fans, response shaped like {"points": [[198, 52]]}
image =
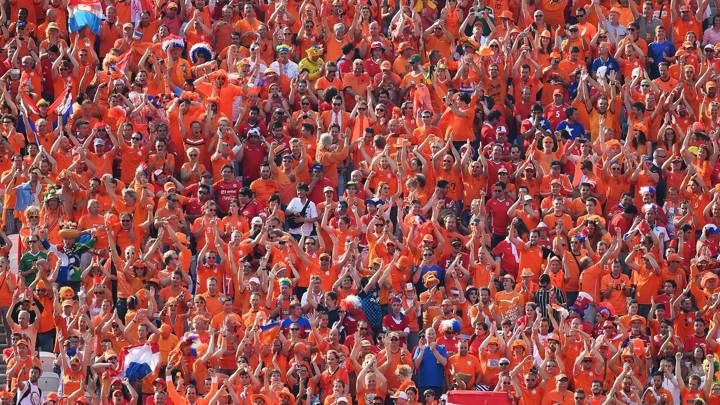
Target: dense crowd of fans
{"points": [[360, 202]]}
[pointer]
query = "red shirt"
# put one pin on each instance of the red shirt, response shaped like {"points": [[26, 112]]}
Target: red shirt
{"points": [[391, 324], [487, 133], [493, 168], [508, 261], [251, 210], [498, 215], [316, 194], [194, 207], [253, 157], [523, 109], [694, 341], [555, 113], [226, 193]]}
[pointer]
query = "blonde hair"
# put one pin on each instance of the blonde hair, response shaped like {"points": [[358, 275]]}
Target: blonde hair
{"points": [[403, 370], [325, 141]]}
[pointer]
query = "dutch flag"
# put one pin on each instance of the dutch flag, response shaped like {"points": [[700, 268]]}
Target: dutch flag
{"points": [[85, 13], [139, 361]]}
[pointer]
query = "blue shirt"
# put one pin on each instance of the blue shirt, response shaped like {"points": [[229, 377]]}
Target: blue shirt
{"points": [[439, 272], [658, 50], [431, 373], [302, 323], [575, 130], [610, 64]]}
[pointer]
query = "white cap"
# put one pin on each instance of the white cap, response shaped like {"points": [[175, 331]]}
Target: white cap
{"points": [[527, 197], [256, 220], [401, 395], [254, 280]]}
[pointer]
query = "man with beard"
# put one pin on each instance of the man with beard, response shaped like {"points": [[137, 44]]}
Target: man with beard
{"points": [[529, 393], [464, 366], [627, 388], [28, 392], [655, 393]]}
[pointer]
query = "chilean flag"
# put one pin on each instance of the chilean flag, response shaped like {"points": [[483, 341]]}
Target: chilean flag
{"points": [[85, 13], [139, 361]]}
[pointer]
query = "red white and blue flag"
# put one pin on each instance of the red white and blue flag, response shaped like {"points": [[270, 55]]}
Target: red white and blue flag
{"points": [[85, 13], [137, 7], [139, 361], [63, 105]]}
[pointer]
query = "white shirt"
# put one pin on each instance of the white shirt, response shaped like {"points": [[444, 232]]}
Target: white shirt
{"points": [[671, 385], [296, 205], [29, 398], [304, 299], [336, 118], [290, 69]]}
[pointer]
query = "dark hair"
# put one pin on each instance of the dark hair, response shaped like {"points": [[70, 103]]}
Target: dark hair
{"points": [[348, 48], [630, 209], [132, 302]]}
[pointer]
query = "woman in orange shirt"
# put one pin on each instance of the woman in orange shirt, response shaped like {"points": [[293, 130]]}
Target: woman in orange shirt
{"points": [[371, 384], [192, 169]]}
